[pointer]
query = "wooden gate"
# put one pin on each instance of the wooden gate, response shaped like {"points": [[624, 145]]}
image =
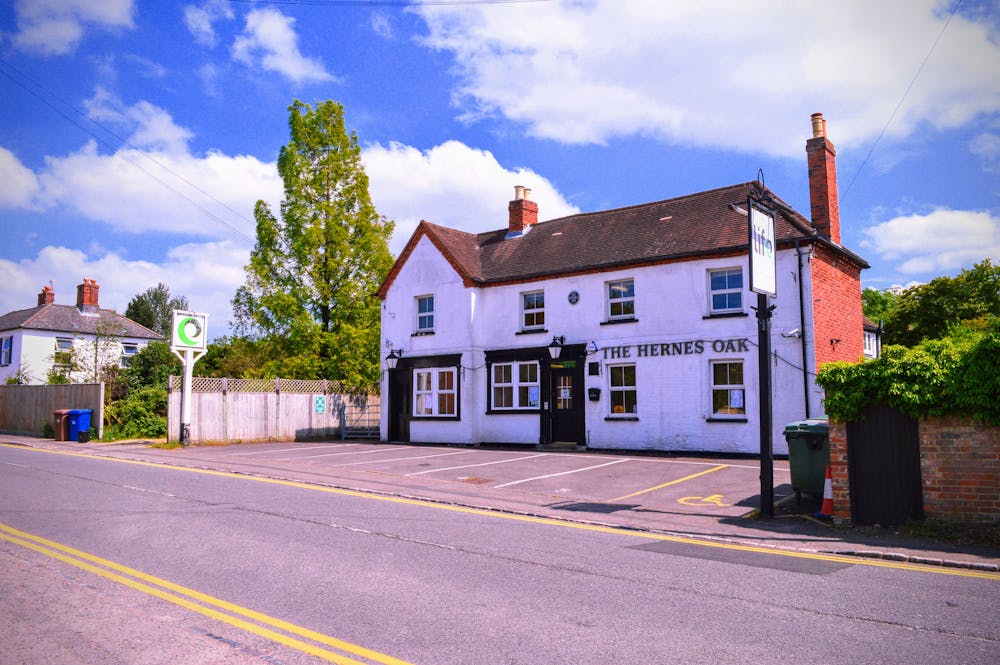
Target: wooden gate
{"points": [[883, 453]]}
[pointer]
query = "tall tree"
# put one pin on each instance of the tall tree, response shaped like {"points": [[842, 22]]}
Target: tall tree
{"points": [[153, 308], [310, 285], [878, 305], [929, 311]]}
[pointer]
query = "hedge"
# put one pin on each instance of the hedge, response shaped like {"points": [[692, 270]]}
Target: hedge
{"points": [[955, 376]]}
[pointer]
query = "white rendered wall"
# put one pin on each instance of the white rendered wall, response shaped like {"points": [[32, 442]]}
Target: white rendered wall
{"points": [[673, 392]]}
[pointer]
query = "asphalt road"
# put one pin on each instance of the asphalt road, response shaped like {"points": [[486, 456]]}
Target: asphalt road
{"points": [[169, 565]]}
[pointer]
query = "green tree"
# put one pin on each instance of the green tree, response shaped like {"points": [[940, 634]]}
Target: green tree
{"points": [[153, 308], [878, 305], [930, 311], [309, 293], [236, 357], [152, 365]]}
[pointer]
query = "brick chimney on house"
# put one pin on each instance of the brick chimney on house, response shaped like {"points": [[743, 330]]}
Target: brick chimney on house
{"points": [[523, 212], [823, 181], [86, 295], [47, 296]]}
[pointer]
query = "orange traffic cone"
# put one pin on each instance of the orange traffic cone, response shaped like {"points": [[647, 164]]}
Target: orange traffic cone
{"points": [[826, 511]]}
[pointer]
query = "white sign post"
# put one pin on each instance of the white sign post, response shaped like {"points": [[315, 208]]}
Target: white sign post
{"points": [[189, 342], [763, 282]]}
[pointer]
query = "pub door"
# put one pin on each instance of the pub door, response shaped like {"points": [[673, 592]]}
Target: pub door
{"points": [[567, 403]]}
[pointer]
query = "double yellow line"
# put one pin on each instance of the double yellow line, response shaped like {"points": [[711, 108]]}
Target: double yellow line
{"points": [[215, 608]]}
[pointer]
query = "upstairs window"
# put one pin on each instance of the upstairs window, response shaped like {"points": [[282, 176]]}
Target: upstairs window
{"points": [[726, 289], [425, 314], [533, 310], [621, 300], [62, 359], [5, 350]]}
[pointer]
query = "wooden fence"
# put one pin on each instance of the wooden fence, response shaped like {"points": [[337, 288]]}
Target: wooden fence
{"points": [[234, 410], [24, 410]]}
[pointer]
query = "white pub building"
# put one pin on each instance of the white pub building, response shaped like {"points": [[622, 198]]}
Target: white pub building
{"points": [[621, 329]]}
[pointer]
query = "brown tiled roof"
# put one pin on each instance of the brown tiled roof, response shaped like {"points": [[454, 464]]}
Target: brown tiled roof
{"points": [[69, 319], [689, 227]]}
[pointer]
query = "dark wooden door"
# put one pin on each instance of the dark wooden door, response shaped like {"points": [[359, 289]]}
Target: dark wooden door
{"points": [[399, 404], [883, 453], [567, 403]]}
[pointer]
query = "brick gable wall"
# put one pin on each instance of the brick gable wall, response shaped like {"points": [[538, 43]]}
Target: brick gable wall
{"points": [[837, 315]]}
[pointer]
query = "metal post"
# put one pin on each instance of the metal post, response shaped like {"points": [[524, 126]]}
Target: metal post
{"points": [[189, 361], [766, 434]]}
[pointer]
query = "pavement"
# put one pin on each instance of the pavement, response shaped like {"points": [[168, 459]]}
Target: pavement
{"points": [[706, 498]]}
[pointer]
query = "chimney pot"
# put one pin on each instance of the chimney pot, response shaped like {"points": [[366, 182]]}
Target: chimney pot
{"points": [[527, 193], [823, 199], [86, 295], [819, 125], [518, 192]]}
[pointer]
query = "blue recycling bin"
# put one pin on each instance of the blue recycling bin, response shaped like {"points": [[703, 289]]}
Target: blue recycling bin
{"points": [[79, 423]]}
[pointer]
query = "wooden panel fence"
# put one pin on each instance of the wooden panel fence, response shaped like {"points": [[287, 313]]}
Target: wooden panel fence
{"points": [[25, 409], [234, 410]]}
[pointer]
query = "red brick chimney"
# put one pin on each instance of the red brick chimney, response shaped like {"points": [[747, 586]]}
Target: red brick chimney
{"points": [[823, 181], [47, 296], [86, 294], [523, 212]]}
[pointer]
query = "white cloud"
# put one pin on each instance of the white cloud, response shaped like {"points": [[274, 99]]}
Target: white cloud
{"points": [[20, 186], [939, 242], [208, 274], [451, 185], [55, 27], [200, 20], [722, 74], [381, 25], [269, 41], [986, 146]]}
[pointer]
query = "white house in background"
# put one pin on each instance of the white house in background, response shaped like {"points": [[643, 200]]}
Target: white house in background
{"points": [[72, 340], [620, 329]]}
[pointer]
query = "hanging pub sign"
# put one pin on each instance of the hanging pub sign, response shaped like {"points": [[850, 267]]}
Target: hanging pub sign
{"points": [[763, 246]]}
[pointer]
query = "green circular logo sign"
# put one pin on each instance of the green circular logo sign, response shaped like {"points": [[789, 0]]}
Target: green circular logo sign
{"points": [[189, 330]]}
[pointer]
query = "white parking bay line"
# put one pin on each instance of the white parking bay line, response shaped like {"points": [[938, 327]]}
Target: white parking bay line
{"points": [[349, 452], [564, 473], [402, 459], [467, 466], [285, 450]]}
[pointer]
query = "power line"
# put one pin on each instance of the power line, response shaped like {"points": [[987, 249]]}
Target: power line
{"points": [[901, 100], [45, 99]]}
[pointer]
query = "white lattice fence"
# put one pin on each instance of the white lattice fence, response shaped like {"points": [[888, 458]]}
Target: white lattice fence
{"points": [[273, 410]]}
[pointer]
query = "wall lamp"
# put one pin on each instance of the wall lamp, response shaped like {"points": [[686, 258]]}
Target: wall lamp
{"points": [[555, 348], [392, 359]]}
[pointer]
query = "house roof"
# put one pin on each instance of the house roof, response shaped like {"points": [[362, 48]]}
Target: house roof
{"points": [[685, 228], [70, 319]]}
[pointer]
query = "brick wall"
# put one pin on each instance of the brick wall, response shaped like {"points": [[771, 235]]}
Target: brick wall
{"points": [[836, 292], [959, 467]]}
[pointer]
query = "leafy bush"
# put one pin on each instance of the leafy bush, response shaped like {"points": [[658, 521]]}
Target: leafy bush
{"points": [[143, 414], [960, 374]]}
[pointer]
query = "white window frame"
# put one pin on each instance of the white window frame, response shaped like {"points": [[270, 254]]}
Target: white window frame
{"points": [[623, 389], [519, 385], [533, 312], [427, 394], [735, 392], [726, 291], [626, 302], [6, 350], [425, 317], [129, 351]]}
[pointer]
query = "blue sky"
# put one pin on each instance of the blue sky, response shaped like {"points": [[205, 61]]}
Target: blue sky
{"points": [[135, 137]]}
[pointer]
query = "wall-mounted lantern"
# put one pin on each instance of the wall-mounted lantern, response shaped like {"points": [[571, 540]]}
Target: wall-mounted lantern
{"points": [[392, 359], [555, 348]]}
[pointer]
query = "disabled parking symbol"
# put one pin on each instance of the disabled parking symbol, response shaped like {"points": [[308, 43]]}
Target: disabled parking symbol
{"points": [[713, 500]]}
